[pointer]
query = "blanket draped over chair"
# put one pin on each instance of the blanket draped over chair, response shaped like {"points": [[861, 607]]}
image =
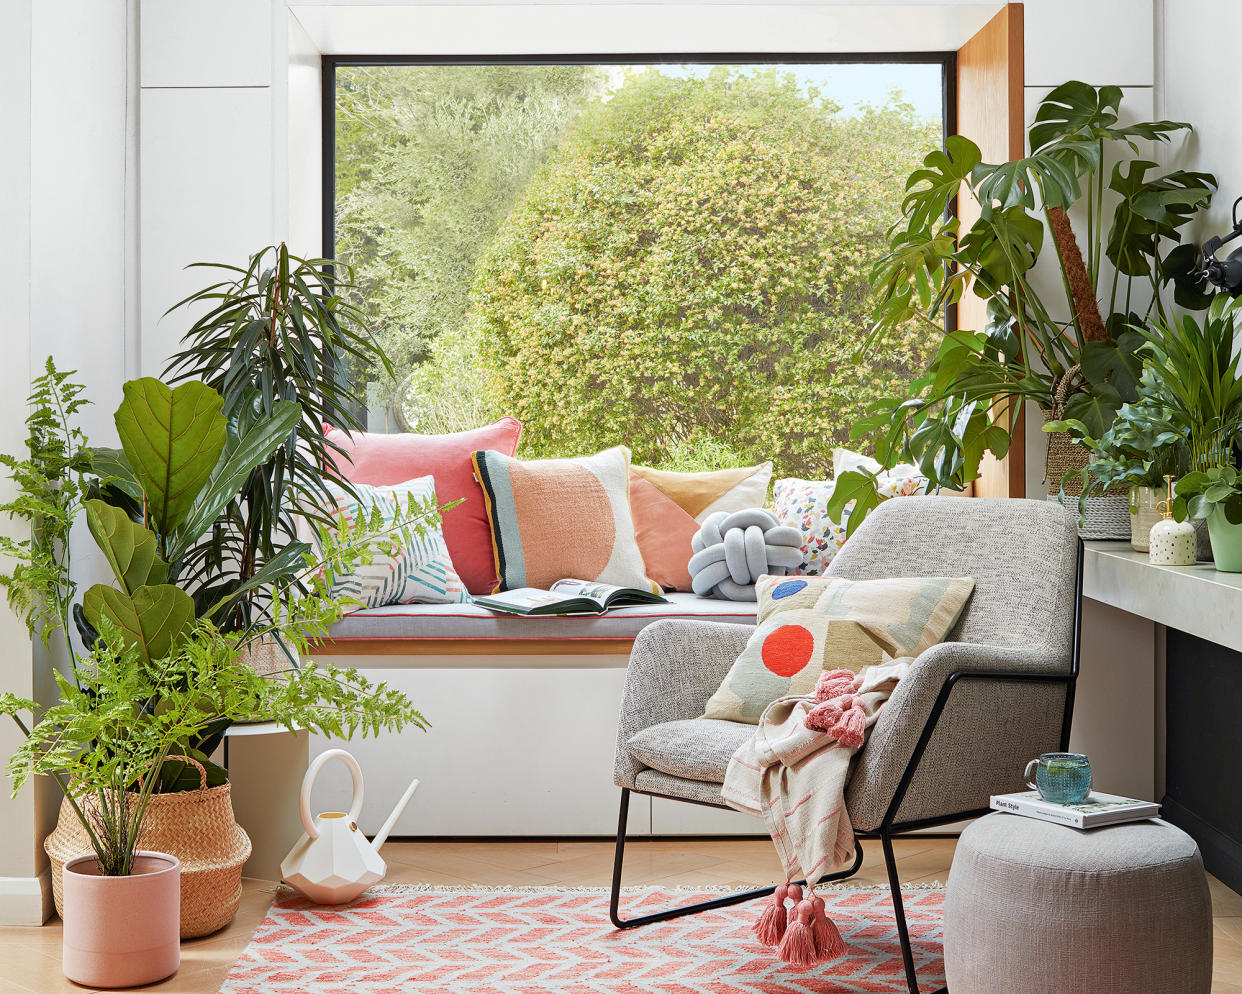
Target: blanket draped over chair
{"points": [[793, 772]]}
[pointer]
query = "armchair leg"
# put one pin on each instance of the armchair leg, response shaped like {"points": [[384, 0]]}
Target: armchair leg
{"points": [[899, 912], [723, 901]]}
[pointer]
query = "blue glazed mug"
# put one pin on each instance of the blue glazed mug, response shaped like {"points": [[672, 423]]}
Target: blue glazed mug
{"points": [[1060, 777]]}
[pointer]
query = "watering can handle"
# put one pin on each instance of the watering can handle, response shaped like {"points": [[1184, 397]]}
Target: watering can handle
{"points": [[308, 783]]}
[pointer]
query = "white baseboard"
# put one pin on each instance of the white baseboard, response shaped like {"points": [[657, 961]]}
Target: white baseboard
{"points": [[26, 900]]}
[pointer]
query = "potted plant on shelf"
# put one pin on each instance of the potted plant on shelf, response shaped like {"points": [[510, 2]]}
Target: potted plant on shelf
{"points": [[1062, 351], [1186, 423], [179, 464]]}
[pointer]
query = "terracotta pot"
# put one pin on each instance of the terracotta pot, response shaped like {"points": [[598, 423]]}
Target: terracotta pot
{"points": [[122, 931]]}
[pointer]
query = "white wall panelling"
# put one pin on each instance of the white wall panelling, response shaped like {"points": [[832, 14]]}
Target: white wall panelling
{"points": [[192, 43], [207, 196], [510, 752]]}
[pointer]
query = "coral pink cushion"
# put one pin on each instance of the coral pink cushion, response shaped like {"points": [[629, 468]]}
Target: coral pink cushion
{"points": [[664, 532], [385, 460]]}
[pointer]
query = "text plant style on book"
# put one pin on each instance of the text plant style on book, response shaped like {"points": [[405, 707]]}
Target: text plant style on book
{"points": [[1096, 811], [567, 597]]}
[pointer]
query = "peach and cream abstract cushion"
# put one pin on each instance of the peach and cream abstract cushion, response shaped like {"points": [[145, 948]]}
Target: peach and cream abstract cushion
{"points": [[554, 519], [664, 533], [703, 494], [808, 624]]}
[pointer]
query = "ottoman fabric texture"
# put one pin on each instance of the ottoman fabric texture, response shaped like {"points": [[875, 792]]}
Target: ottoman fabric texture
{"points": [[1034, 907]]}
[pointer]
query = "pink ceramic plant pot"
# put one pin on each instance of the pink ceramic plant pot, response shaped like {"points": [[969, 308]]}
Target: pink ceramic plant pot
{"points": [[122, 931]]}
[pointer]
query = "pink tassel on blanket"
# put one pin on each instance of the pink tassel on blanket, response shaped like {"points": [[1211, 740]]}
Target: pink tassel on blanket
{"points": [[798, 948], [843, 718], [770, 928], [834, 683], [828, 941]]}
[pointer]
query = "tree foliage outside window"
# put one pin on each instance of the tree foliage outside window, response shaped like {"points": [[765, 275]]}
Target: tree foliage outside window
{"points": [[674, 261]]}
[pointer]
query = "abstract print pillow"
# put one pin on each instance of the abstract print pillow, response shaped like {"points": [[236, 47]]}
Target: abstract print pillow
{"points": [[412, 568], [803, 504], [810, 624], [557, 519]]}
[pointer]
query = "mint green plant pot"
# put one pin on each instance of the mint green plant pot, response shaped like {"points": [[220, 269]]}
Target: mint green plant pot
{"points": [[1226, 542]]}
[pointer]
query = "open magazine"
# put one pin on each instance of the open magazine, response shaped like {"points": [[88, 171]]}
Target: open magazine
{"points": [[567, 597]]}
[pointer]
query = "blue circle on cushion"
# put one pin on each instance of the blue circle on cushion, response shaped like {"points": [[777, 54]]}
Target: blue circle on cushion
{"points": [[787, 589]]}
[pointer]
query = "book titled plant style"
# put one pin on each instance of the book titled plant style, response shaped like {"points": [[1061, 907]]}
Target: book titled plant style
{"points": [[1096, 811]]}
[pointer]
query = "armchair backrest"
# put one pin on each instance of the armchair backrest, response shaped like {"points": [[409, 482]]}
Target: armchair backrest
{"points": [[1022, 554]]}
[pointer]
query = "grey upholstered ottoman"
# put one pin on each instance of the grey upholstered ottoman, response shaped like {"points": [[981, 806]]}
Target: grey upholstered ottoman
{"points": [[1033, 908]]}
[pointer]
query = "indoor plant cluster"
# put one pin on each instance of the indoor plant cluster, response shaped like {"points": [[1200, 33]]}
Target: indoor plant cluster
{"points": [[1073, 353], [157, 670]]}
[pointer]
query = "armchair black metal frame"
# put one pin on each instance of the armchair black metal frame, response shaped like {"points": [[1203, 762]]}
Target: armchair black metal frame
{"points": [[890, 827]]}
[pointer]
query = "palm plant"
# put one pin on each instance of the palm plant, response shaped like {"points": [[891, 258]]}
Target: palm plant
{"points": [[279, 331], [1033, 347]]}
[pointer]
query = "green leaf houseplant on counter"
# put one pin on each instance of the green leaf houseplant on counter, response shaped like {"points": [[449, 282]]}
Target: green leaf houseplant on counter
{"points": [[178, 465], [1186, 421], [1070, 352]]}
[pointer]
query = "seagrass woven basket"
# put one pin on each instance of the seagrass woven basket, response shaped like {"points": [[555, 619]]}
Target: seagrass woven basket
{"points": [[1103, 516], [196, 826]]}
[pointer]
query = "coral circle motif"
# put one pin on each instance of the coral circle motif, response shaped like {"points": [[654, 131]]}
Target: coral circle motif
{"points": [[787, 650]]}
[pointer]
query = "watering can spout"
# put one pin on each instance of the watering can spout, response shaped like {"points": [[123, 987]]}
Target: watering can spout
{"points": [[382, 835]]}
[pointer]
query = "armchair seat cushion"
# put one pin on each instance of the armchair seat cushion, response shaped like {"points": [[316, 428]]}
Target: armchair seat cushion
{"points": [[695, 749]]}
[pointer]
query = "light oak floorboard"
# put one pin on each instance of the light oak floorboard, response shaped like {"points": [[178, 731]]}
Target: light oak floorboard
{"points": [[30, 957]]}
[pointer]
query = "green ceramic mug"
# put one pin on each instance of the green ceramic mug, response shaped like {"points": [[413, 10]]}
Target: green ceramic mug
{"points": [[1061, 777]]}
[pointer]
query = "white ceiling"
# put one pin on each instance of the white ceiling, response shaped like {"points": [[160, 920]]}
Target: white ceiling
{"points": [[473, 27]]}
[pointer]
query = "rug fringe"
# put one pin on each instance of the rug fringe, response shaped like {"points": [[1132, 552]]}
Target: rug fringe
{"points": [[648, 889]]}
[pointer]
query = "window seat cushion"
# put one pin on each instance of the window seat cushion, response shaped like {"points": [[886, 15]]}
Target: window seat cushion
{"points": [[468, 621]]}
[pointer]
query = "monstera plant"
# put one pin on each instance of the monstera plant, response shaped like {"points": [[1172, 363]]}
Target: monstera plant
{"points": [[1071, 352]]}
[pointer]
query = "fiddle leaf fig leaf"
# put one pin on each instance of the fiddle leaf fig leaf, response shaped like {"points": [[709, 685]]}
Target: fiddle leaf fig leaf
{"points": [[152, 620], [129, 547], [113, 469], [172, 439]]}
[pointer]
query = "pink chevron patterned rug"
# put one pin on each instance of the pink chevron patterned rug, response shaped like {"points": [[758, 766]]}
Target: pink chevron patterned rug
{"points": [[559, 941]]}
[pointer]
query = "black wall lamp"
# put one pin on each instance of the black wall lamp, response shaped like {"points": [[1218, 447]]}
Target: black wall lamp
{"points": [[1225, 273]]}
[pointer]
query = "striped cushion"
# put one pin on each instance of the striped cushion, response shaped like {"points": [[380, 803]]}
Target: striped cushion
{"points": [[417, 571]]}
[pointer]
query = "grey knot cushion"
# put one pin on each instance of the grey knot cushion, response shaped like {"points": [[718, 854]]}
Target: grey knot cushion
{"points": [[1034, 907], [731, 552]]}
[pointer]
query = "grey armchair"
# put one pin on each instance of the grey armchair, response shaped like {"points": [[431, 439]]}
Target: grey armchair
{"points": [[957, 729]]}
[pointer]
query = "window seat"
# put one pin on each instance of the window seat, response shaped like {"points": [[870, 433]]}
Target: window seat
{"points": [[461, 629]]}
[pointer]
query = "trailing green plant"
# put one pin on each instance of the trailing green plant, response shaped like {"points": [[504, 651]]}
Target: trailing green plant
{"points": [[1034, 347], [280, 331], [51, 482], [125, 717]]}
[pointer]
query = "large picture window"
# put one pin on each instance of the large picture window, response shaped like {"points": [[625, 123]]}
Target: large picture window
{"points": [[670, 254]]}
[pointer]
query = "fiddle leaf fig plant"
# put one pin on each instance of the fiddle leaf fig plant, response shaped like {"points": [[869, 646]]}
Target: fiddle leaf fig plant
{"points": [[1072, 351]]}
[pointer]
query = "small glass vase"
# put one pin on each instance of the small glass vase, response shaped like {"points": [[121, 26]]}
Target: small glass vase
{"points": [[1143, 515]]}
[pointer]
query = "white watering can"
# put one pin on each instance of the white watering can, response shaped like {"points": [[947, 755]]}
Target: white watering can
{"points": [[333, 862]]}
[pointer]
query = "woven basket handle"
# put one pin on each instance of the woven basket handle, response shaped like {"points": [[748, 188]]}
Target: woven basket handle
{"points": [[1059, 395], [202, 772]]}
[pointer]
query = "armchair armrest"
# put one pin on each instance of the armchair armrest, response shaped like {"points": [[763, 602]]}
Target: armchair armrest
{"points": [[675, 666], [966, 717]]}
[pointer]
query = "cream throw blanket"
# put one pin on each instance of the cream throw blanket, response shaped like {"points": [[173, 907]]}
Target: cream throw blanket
{"points": [[794, 769]]}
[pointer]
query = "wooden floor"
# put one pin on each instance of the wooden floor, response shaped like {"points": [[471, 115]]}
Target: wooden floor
{"points": [[30, 957]]}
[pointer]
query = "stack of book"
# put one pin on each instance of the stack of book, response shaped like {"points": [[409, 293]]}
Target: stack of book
{"points": [[1097, 810]]}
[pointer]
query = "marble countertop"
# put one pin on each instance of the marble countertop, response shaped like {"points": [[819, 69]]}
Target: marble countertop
{"points": [[1196, 599]]}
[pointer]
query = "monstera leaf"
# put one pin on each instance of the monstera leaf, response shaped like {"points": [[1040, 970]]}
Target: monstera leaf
{"points": [[929, 190], [129, 547], [172, 441], [151, 620]]}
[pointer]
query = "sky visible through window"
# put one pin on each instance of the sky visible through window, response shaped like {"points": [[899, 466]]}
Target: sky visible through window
{"points": [[670, 257]]}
